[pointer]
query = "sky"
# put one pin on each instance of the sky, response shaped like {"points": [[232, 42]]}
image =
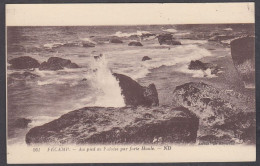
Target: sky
{"points": [[128, 14]]}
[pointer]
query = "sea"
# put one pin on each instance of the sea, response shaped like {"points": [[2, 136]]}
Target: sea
{"points": [[55, 93]]}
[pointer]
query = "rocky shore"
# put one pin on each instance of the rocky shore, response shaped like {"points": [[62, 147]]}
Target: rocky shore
{"points": [[199, 112], [99, 125]]}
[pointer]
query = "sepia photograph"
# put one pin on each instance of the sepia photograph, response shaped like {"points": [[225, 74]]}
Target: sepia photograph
{"points": [[139, 78]]}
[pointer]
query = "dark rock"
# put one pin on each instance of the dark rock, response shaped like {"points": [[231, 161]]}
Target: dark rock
{"points": [[243, 56], [167, 39], [198, 65], [55, 63], [175, 42], [217, 109], [134, 43], [84, 79], [145, 58], [98, 56], [115, 40], [151, 95], [135, 94], [72, 66], [22, 122], [126, 125], [146, 35], [88, 44], [242, 124], [24, 62]]}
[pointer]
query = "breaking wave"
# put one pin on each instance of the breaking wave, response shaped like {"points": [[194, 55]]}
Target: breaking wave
{"points": [[228, 29], [197, 73], [170, 30], [182, 54], [124, 34], [106, 84]]}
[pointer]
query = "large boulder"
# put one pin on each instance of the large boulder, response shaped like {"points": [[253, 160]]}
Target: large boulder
{"points": [[198, 65], [135, 43], [55, 63], [135, 94], [243, 56], [167, 39], [216, 109], [126, 125], [24, 62]]}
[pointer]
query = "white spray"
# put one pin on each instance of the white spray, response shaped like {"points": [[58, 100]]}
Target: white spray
{"points": [[107, 85]]}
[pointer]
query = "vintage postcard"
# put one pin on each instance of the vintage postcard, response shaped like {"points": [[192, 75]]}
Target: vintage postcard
{"points": [[130, 83]]}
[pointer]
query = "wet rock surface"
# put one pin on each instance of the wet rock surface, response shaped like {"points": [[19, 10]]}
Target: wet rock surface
{"points": [[220, 112], [24, 62], [135, 94], [243, 56], [55, 63], [99, 125], [198, 65]]}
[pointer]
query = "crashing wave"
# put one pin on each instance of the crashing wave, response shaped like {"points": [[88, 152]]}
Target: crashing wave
{"points": [[170, 30], [124, 34], [107, 85]]}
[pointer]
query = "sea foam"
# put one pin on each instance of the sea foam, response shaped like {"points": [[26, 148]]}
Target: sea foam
{"points": [[124, 34], [107, 85], [170, 30]]}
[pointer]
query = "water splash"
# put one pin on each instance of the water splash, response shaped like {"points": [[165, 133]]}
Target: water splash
{"points": [[109, 91]]}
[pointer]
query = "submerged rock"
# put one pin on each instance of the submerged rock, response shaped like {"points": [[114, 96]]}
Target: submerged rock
{"points": [[24, 62], [115, 40], [88, 44], [126, 125], [145, 58], [198, 65], [243, 56], [21, 122], [216, 108], [167, 39], [55, 63], [134, 43], [135, 94]]}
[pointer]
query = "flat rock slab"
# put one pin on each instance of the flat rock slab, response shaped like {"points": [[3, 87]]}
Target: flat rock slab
{"points": [[100, 125]]}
